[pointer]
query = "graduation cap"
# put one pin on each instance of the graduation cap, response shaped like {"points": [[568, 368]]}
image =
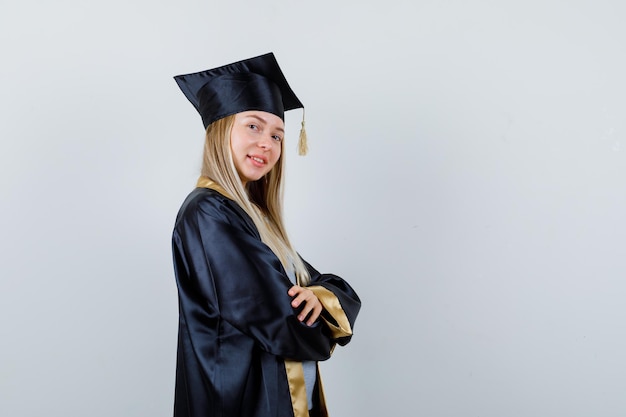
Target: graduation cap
{"points": [[252, 84]]}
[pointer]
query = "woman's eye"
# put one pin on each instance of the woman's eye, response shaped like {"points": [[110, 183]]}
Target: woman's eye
{"points": [[254, 127], [277, 138]]}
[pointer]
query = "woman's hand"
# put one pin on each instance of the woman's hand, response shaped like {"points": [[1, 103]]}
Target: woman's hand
{"points": [[312, 308]]}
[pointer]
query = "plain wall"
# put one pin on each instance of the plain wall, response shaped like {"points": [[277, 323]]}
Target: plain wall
{"points": [[466, 175]]}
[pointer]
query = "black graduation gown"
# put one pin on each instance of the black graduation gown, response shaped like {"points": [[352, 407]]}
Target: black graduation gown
{"points": [[239, 340]]}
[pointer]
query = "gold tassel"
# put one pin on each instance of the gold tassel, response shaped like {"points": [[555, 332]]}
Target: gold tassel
{"points": [[303, 147]]}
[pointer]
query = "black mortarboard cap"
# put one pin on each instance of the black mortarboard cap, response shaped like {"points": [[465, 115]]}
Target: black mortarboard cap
{"points": [[252, 84]]}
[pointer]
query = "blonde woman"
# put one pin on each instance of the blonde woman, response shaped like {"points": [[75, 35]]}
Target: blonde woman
{"points": [[254, 316]]}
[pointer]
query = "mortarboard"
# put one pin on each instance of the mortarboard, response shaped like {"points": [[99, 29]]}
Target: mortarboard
{"points": [[252, 84]]}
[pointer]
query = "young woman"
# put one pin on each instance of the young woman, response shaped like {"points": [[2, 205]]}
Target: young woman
{"points": [[254, 316]]}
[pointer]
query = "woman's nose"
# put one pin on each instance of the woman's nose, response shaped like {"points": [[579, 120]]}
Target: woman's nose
{"points": [[266, 142]]}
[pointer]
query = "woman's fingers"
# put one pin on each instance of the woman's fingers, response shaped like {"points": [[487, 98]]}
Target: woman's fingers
{"points": [[312, 307], [296, 292], [314, 314]]}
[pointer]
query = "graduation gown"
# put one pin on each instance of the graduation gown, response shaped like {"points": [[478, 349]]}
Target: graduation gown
{"points": [[240, 344]]}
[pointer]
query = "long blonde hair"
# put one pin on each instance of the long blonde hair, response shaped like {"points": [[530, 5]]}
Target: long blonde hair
{"points": [[261, 200]]}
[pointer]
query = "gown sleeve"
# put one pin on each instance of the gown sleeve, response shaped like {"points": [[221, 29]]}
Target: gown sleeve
{"points": [[225, 272], [341, 304]]}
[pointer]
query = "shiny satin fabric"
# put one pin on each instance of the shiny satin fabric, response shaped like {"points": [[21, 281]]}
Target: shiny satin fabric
{"points": [[255, 83], [233, 93], [297, 389], [237, 327]]}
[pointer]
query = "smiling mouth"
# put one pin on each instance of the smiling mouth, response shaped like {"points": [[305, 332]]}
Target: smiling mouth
{"points": [[259, 160]]}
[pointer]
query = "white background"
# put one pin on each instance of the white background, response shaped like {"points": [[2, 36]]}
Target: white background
{"points": [[466, 174]]}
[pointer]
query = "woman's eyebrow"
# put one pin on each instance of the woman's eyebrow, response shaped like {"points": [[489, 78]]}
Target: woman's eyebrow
{"points": [[259, 118]]}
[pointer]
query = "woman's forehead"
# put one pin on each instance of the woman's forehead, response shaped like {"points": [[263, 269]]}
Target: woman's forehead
{"points": [[262, 116]]}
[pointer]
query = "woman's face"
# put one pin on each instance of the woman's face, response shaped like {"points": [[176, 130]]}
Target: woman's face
{"points": [[256, 143]]}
